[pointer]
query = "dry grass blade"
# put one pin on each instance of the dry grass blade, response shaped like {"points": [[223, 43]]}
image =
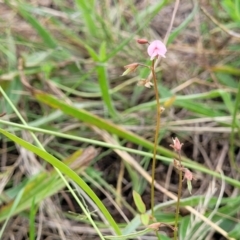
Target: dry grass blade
{"points": [[229, 32], [84, 160]]}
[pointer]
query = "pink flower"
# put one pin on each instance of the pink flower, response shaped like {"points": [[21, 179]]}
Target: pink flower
{"points": [[177, 146], [156, 49], [188, 175]]}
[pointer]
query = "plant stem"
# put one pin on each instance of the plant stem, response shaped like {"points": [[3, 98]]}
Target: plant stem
{"points": [[156, 136], [178, 198]]}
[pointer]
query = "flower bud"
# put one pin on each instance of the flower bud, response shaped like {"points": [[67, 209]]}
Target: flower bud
{"points": [[177, 146], [188, 175], [142, 41], [130, 68]]}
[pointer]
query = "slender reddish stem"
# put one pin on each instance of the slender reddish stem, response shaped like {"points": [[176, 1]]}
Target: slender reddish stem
{"points": [[178, 197], [156, 136]]}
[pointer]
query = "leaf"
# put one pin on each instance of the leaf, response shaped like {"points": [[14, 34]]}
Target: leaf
{"points": [[43, 33], [33, 211], [189, 184], [228, 101], [105, 89], [226, 69], [199, 107], [92, 53], [139, 202], [145, 219], [126, 72], [164, 217], [102, 52], [86, 8], [235, 233], [227, 80], [183, 227]]}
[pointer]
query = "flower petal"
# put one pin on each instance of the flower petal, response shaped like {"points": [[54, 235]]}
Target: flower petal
{"points": [[156, 48]]}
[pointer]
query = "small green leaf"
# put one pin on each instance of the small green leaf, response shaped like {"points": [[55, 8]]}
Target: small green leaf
{"points": [[102, 52], [145, 219], [228, 101], [189, 184], [92, 53], [139, 202], [126, 72], [164, 217]]}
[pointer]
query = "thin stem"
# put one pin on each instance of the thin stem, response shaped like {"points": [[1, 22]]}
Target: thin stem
{"points": [[156, 136], [178, 197]]}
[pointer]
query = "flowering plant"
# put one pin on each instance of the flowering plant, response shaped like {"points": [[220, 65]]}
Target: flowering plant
{"points": [[156, 50]]}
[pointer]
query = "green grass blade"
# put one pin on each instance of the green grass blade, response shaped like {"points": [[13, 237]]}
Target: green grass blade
{"points": [[183, 227], [103, 52], [41, 30], [179, 98], [235, 233], [86, 8], [237, 9], [68, 172], [199, 108], [14, 206], [104, 86], [226, 69], [235, 123], [11, 87], [33, 211]]}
